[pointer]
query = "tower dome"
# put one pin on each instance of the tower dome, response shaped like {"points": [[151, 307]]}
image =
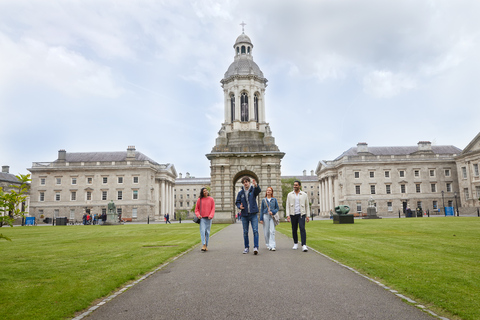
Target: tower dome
{"points": [[243, 63]]}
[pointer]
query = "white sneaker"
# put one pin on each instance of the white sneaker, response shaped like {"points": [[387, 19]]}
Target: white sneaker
{"points": [[295, 246], [273, 249], [255, 251], [304, 248], [245, 251]]}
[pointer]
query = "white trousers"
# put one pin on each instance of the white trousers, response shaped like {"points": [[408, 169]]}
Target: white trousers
{"points": [[269, 230]]}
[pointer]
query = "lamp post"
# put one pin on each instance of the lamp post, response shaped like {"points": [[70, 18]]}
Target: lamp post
{"points": [[456, 204], [443, 200]]}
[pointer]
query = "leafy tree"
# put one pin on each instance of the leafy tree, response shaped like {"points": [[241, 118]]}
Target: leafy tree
{"points": [[183, 214], [287, 187], [10, 202]]}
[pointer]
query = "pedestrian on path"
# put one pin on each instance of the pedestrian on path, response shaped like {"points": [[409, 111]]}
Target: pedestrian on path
{"points": [[167, 218], [247, 202], [205, 210], [268, 209], [298, 210]]}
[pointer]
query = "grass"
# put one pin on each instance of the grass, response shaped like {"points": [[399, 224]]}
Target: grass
{"points": [[53, 272], [434, 261]]}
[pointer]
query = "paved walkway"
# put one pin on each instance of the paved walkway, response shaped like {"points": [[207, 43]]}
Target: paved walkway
{"points": [[223, 283]]}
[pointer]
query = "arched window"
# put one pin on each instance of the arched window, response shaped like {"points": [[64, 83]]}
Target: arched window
{"points": [[255, 106], [238, 50], [243, 49], [232, 107], [244, 106], [248, 50]]}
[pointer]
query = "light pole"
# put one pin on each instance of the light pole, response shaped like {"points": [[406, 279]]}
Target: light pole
{"points": [[456, 204], [443, 200]]}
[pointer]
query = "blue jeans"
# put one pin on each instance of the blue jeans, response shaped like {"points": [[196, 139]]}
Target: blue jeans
{"points": [[205, 225], [253, 219], [269, 230]]}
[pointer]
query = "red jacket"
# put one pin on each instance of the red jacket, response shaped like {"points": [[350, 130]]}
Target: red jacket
{"points": [[208, 207]]}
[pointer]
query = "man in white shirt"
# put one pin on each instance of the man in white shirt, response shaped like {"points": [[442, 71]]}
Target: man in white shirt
{"points": [[298, 210]]}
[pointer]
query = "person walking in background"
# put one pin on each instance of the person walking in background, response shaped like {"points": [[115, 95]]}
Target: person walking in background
{"points": [[247, 202], [167, 219], [268, 209], [298, 210], [205, 210]]}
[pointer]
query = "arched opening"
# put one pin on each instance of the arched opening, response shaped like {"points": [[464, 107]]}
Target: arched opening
{"points": [[232, 107], [244, 107], [255, 105], [243, 49], [248, 50], [238, 50], [237, 186]]}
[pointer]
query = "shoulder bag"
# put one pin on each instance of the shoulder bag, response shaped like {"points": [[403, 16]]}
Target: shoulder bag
{"points": [[195, 218]]}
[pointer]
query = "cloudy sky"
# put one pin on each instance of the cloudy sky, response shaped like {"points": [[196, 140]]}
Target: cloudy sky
{"points": [[100, 75]]}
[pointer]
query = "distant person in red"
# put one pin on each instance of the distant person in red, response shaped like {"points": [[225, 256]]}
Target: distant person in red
{"points": [[205, 210]]}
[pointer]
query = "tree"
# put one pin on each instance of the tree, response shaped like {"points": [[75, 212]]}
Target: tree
{"points": [[11, 202], [287, 187]]}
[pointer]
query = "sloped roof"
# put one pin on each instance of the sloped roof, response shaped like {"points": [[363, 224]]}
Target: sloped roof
{"points": [[8, 177], [396, 151], [104, 156]]}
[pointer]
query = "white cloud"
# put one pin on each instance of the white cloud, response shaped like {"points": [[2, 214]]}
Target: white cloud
{"points": [[385, 84]]}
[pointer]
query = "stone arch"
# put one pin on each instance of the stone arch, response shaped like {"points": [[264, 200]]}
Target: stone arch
{"points": [[237, 177]]}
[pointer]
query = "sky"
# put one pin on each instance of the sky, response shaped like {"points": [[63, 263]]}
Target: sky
{"points": [[101, 75]]}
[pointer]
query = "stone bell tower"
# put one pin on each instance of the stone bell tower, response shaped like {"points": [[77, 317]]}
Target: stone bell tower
{"points": [[245, 145]]}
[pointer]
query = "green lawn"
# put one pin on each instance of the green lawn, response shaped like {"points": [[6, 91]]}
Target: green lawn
{"points": [[435, 261], [52, 272]]}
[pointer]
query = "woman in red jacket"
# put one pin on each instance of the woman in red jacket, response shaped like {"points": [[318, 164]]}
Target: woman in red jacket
{"points": [[205, 210]]}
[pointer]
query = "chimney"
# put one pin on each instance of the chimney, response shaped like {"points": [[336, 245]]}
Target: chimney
{"points": [[362, 147], [180, 175], [131, 153], [424, 146], [62, 155], [311, 172], [5, 169], [304, 172]]}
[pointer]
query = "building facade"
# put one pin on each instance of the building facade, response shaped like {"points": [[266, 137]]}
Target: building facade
{"points": [[468, 163], [396, 178], [6, 181], [77, 183]]}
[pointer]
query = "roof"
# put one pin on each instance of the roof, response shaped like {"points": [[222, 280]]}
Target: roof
{"points": [[104, 156], [8, 177], [192, 181], [302, 178], [243, 66], [394, 151], [243, 38]]}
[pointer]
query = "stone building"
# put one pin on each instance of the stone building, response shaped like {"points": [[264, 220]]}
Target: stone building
{"points": [[187, 191], [82, 182], [7, 180], [469, 177], [396, 177], [311, 186], [245, 145]]}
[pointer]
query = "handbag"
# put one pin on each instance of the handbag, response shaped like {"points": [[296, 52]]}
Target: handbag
{"points": [[276, 217], [195, 218]]}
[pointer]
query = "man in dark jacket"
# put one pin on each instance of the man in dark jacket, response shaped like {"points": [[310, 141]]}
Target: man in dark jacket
{"points": [[247, 202]]}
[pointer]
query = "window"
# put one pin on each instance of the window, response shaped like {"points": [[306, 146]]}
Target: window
{"points": [[464, 172], [72, 214], [417, 173], [188, 204], [372, 189], [357, 174], [58, 180], [417, 188], [432, 173], [104, 195], [465, 191], [447, 172], [73, 196], [450, 203], [389, 206], [434, 187], [372, 174], [74, 180], [40, 212], [255, 103], [56, 213], [357, 189], [388, 189], [57, 196], [105, 180], [232, 106], [89, 195], [359, 207], [120, 179], [42, 181], [475, 169], [119, 211], [244, 107], [181, 204], [119, 195], [449, 187], [104, 210], [134, 212], [41, 196], [419, 204], [477, 189], [403, 189], [135, 179], [387, 174], [135, 194], [435, 205], [401, 173], [89, 180]]}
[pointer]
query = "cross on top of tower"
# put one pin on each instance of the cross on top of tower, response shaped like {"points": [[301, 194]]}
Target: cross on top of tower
{"points": [[243, 24]]}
